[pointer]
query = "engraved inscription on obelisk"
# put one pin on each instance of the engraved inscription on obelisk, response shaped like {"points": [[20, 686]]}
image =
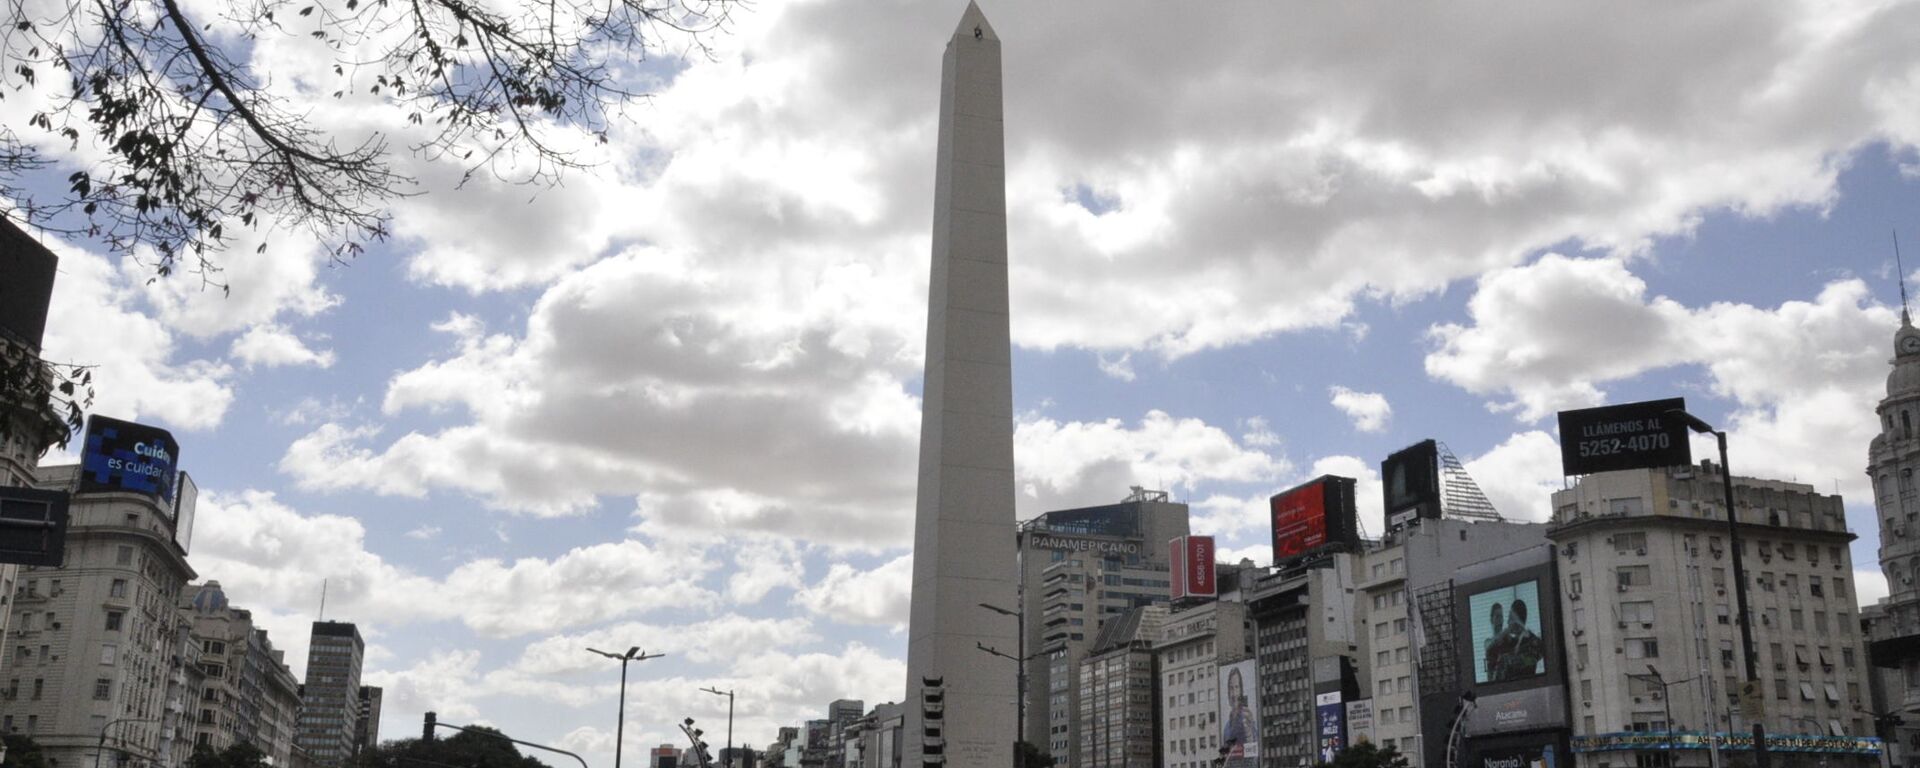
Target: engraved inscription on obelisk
{"points": [[963, 546]]}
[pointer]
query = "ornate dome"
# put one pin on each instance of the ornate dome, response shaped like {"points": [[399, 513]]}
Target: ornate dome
{"points": [[210, 598]]}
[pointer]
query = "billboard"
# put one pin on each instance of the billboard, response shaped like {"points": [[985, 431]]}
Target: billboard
{"points": [[186, 500], [1410, 483], [1240, 714], [1312, 518], [1360, 721], [1508, 643], [1191, 566], [1627, 436], [28, 289], [1541, 750], [33, 526], [1505, 635], [1330, 725], [121, 456]]}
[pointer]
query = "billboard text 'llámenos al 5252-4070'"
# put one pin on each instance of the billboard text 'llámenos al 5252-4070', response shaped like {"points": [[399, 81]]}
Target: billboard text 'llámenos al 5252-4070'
{"points": [[1627, 436]]}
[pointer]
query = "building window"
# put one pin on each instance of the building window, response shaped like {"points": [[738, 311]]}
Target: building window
{"points": [[107, 654], [1634, 575], [39, 687], [118, 588], [1643, 648], [124, 556], [102, 689], [113, 620]]}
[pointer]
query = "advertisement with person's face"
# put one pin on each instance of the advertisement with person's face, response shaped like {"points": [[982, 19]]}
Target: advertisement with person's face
{"points": [[1240, 713], [1506, 634]]}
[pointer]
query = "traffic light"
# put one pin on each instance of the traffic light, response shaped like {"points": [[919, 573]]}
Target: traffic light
{"points": [[933, 721], [426, 732], [700, 755]]}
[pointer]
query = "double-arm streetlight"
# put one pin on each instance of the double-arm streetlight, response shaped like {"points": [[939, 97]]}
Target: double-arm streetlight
{"points": [[620, 728], [728, 759], [1760, 757], [102, 745], [1020, 659], [1666, 695]]}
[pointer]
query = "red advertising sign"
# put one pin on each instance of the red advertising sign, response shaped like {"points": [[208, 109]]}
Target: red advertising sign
{"points": [[1192, 567], [1299, 521]]}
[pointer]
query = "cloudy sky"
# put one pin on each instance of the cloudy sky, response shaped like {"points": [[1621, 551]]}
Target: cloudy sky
{"points": [[674, 403]]}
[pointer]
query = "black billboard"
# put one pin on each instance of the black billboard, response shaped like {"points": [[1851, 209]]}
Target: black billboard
{"points": [[1627, 436], [1313, 518], [33, 526], [1410, 483], [1508, 634], [124, 457], [26, 284]]}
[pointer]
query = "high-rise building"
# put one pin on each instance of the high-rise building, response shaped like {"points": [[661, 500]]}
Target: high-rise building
{"points": [[366, 727], [1387, 574], [1305, 638], [27, 271], [95, 640], [1119, 711], [1653, 639], [1891, 459], [1078, 569], [330, 699], [1194, 643]]}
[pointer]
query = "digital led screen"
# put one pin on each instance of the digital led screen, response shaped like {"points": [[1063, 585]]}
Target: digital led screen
{"points": [[127, 457], [1313, 517], [1410, 483], [1508, 644]]}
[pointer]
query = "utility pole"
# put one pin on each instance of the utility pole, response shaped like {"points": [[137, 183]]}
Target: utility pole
{"points": [[729, 694], [620, 728]]}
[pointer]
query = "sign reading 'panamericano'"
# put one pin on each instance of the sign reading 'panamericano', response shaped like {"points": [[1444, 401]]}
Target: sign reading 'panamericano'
{"points": [[1074, 544]]}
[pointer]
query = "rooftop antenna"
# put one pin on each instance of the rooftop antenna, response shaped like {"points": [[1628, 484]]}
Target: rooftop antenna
{"points": [[1905, 319], [323, 600]]}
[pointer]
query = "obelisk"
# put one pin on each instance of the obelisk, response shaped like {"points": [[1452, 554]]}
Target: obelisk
{"points": [[963, 545]]}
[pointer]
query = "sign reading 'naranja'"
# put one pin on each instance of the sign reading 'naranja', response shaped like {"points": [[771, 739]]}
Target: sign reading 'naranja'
{"points": [[1074, 544]]}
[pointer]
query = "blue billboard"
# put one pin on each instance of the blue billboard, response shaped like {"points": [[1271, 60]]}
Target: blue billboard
{"points": [[124, 457]]}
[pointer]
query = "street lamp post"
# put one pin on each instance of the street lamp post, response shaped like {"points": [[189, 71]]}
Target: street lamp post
{"points": [[101, 747], [729, 694], [620, 728], [1761, 759], [1020, 659]]}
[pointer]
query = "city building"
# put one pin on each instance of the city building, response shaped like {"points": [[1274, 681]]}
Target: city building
{"points": [[1195, 642], [366, 727], [94, 641], [663, 756], [1895, 631], [1305, 639], [29, 268], [1652, 621], [1078, 569], [1897, 727], [1387, 575], [330, 699], [880, 732], [1119, 713], [249, 696]]}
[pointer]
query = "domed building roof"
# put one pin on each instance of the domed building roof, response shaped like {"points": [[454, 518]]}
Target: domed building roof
{"points": [[210, 598]]}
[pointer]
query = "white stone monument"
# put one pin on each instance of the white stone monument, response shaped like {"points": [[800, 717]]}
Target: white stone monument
{"points": [[963, 539]]}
